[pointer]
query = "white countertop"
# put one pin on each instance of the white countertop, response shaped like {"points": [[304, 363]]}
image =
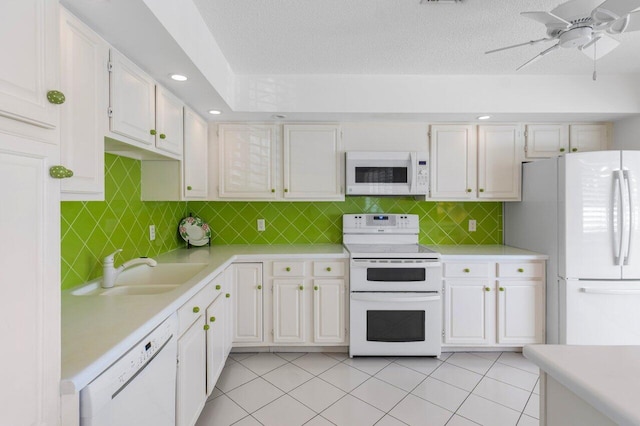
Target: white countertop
{"points": [[606, 377], [470, 252]]}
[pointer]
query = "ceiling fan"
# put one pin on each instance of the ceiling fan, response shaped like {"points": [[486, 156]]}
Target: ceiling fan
{"points": [[585, 24]]}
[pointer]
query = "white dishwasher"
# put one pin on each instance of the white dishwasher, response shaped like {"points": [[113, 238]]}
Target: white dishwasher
{"points": [[139, 388]]}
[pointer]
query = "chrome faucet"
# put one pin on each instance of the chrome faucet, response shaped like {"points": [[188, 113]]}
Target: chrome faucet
{"points": [[110, 273]]}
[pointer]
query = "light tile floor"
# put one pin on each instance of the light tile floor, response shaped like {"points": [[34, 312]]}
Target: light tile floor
{"points": [[317, 389]]}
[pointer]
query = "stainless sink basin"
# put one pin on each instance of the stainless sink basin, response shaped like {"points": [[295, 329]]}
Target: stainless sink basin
{"points": [[144, 280]]}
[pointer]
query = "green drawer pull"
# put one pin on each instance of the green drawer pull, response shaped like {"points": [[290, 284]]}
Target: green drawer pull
{"points": [[315, 288], [287, 269], [501, 288], [273, 190], [328, 268], [227, 295], [466, 270], [212, 319], [163, 136], [468, 189], [301, 288], [574, 149], [481, 189], [218, 287], [487, 289], [196, 309], [206, 326], [55, 97], [189, 188], [152, 132], [520, 270], [562, 149], [60, 172], [286, 190], [259, 287]]}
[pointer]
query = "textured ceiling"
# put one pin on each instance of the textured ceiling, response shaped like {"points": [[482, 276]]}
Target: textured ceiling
{"points": [[394, 37]]}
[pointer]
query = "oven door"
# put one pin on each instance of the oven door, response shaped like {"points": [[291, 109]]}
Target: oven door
{"points": [[395, 275], [395, 324]]}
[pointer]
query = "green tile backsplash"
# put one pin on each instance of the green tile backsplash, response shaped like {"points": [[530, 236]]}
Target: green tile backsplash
{"points": [[93, 229]]}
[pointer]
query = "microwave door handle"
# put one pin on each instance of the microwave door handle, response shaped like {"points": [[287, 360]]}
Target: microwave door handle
{"points": [[413, 161]]}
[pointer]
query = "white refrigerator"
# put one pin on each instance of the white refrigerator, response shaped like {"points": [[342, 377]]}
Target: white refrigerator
{"points": [[583, 210]]}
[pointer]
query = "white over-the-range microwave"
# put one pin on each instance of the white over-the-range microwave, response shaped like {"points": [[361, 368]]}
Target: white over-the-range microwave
{"points": [[387, 173]]}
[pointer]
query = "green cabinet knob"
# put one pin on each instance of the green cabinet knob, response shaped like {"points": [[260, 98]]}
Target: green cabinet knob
{"points": [[328, 268], [315, 288], [520, 270], [259, 287], [574, 149], [468, 189], [273, 190], [152, 132], [501, 288], [163, 136], [301, 288], [196, 309], [481, 190], [206, 326], [466, 270], [227, 295], [189, 188], [562, 149], [288, 269], [286, 190], [55, 97], [60, 172], [212, 319], [487, 289], [218, 287]]}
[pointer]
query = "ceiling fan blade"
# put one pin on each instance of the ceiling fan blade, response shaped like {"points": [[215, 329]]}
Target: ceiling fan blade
{"points": [[540, 55], [634, 22], [548, 19], [600, 46], [576, 9], [532, 42], [618, 7]]}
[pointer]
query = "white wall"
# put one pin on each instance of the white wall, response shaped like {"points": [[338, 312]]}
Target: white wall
{"points": [[626, 133]]}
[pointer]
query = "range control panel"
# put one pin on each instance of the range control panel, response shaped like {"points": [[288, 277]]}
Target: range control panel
{"points": [[380, 223]]}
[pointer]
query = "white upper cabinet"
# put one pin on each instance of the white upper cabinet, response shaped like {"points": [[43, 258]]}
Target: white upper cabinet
{"points": [[195, 164], [312, 159], [453, 162], [247, 161], [132, 94], [588, 137], [29, 52], [83, 121], [169, 121], [546, 140], [498, 162]]}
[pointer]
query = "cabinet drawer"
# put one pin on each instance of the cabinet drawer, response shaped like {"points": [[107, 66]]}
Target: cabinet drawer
{"points": [[467, 269], [520, 269], [196, 306], [328, 269], [288, 269]]}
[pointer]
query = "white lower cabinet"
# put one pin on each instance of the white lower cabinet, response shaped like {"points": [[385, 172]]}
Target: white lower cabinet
{"points": [[216, 341], [329, 310], [247, 296], [192, 374], [288, 311], [493, 303]]}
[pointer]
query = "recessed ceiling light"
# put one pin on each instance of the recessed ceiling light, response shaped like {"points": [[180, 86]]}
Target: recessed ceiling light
{"points": [[279, 116], [214, 112], [178, 77], [483, 117]]}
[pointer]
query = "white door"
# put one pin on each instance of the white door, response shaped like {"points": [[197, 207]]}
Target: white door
{"points": [[83, 117], [247, 161], [229, 309], [169, 121], [288, 311], [546, 140], [602, 312], [312, 162], [498, 162], [195, 158], [132, 100], [215, 341], [29, 52], [329, 311], [520, 313], [191, 383], [631, 257], [469, 312], [590, 223], [247, 294], [453, 162], [588, 137]]}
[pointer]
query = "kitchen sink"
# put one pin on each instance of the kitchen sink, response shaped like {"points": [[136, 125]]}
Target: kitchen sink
{"points": [[145, 280]]}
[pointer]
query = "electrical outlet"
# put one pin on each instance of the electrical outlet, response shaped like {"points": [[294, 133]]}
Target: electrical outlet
{"points": [[261, 225], [152, 232], [472, 225]]}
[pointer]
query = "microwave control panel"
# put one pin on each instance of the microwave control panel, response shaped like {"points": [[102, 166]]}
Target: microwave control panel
{"points": [[422, 172]]}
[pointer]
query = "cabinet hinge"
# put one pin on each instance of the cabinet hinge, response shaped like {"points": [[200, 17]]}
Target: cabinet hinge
{"points": [[109, 66], [526, 133], [346, 332], [429, 135], [110, 112], [443, 334]]}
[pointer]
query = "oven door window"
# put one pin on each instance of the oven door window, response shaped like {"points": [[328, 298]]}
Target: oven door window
{"points": [[396, 274], [396, 326], [381, 175]]}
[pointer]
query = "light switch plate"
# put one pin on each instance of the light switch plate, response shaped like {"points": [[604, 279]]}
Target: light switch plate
{"points": [[152, 232], [261, 225], [472, 225]]}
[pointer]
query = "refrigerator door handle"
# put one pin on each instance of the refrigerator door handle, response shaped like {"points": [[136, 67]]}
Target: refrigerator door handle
{"points": [[618, 218], [613, 291], [629, 211]]}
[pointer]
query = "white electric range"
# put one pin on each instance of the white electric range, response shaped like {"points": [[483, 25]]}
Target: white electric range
{"points": [[396, 286]]}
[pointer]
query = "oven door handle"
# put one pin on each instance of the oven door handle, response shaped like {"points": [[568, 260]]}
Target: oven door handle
{"points": [[417, 263], [388, 298]]}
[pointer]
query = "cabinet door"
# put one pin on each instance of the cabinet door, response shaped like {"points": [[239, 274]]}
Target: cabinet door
{"points": [[329, 311], [191, 382], [588, 137], [247, 161], [247, 294], [469, 312], [312, 162], [288, 311], [216, 344], [132, 97], [453, 162], [499, 163], [195, 162], [169, 121], [29, 52], [520, 312], [83, 117], [30, 277], [229, 310], [546, 140]]}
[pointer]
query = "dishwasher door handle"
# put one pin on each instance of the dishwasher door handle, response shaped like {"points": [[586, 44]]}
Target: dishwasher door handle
{"points": [[387, 298]]}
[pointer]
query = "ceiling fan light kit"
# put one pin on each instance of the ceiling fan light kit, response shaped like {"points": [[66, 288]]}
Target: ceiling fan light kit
{"points": [[578, 24]]}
